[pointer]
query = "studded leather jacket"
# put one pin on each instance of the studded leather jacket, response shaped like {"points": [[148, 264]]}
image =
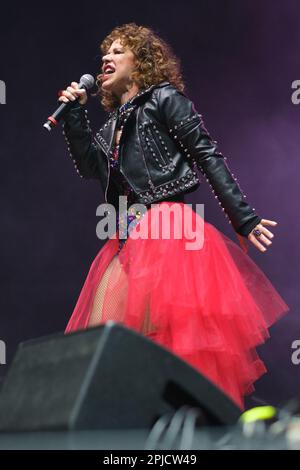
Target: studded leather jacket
{"points": [[163, 143]]}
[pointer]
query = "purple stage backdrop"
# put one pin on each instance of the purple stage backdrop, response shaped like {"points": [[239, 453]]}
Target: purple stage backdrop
{"points": [[239, 61]]}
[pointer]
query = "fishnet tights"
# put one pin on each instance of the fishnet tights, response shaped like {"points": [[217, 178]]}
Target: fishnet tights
{"points": [[107, 307]]}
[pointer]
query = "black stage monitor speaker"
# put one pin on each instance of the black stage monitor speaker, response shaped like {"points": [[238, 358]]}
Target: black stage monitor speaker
{"points": [[108, 377]]}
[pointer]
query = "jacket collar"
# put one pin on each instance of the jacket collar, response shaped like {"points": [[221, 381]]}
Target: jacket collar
{"points": [[105, 135], [137, 98]]}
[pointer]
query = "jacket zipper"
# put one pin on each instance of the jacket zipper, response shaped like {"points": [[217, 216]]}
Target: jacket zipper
{"points": [[108, 162], [108, 177], [157, 146]]}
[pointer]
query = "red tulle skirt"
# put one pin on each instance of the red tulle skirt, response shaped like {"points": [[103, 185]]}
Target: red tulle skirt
{"points": [[194, 292]]}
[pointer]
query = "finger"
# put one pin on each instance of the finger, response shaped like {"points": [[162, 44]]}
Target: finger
{"points": [[80, 92], [265, 231], [262, 238], [72, 91], [75, 84], [68, 95], [268, 222], [256, 243], [63, 99]]}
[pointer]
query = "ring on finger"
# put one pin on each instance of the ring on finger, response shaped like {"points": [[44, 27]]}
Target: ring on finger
{"points": [[256, 232]]}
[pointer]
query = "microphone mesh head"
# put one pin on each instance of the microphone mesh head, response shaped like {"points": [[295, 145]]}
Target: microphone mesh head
{"points": [[87, 81]]}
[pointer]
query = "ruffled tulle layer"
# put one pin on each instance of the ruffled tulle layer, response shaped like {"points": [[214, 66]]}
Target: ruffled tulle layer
{"points": [[195, 292]]}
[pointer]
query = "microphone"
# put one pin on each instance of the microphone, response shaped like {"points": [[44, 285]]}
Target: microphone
{"points": [[87, 81]]}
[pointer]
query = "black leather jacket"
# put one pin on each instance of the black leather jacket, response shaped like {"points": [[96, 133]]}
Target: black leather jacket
{"points": [[163, 142]]}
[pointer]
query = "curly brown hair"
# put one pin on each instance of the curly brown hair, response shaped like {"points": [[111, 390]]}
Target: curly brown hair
{"points": [[155, 60]]}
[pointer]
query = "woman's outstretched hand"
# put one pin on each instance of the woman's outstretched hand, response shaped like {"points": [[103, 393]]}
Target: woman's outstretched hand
{"points": [[261, 236]]}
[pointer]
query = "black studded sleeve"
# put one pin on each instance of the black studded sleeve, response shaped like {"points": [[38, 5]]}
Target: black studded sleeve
{"points": [[186, 127], [88, 159]]}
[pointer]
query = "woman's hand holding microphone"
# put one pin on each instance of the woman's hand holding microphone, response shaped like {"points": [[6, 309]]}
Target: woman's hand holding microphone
{"points": [[72, 93]]}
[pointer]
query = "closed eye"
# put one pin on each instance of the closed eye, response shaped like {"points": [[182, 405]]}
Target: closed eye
{"points": [[115, 51]]}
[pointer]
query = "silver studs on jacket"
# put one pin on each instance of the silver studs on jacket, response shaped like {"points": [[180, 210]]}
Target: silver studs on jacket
{"points": [[174, 133], [169, 189], [85, 123], [196, 117], [166, 161], [127, 107], [124, 107]]}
